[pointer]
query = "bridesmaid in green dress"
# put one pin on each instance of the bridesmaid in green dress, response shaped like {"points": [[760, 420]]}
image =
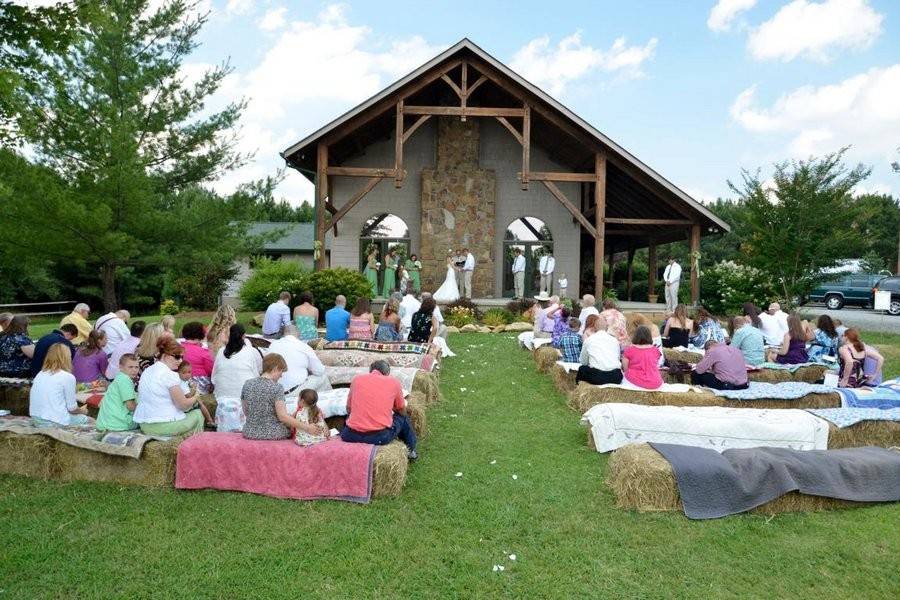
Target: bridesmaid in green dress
{"points": [[414, 267], [371, 271], [390, 272]]}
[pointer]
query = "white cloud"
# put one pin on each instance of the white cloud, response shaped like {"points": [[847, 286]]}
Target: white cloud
{"points": [[555, 67], [815, 30], [861, 111], [239, 7], [273, 19], [725, 12]]}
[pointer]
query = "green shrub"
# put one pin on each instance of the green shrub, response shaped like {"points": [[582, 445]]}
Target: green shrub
{"points": [[465, 303], [269, 278], [727, 285], [201, 286], [328, 283], [496, 317], [458, 316], [168, 307]]}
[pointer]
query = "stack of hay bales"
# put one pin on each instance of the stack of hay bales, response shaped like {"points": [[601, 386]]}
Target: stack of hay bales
{"points": [[673, 355], [643, 480], [562, 379], [806, 374]]}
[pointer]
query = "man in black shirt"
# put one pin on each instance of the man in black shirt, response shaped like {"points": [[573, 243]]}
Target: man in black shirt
{"points": [[63, 335]]}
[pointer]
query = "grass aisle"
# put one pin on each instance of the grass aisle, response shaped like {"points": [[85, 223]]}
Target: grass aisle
{"points": [[442, 537]]}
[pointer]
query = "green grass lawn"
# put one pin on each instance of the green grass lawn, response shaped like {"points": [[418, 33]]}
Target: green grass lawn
{"points": [[442, 537]]}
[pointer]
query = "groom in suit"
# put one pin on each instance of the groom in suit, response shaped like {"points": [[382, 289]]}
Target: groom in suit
{"points": [[458, 261]]}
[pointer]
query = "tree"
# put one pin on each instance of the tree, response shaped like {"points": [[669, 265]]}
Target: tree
{"points": [[120, 127], [877, 219], [804, 224]]}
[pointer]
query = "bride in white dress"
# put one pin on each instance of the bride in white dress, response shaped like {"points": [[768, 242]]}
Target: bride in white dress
{"points": [[448, 292]]}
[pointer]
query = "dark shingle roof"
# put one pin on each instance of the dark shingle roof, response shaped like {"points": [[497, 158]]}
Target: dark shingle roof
{"points": [[298, 237]]}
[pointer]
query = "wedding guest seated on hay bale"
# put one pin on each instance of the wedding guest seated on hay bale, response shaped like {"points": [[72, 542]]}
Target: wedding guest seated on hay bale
{"points": [[722, 368], [90, 360], [304, 369], [570, 342], [854, 355], [278, 314], [377, 410], [337, 320], [600, 357], [162, 407], [120, 399], [64, 335], [749, 340], [236, 363], [640, 361], [52, 398], [792, 348], [16, 349], [676, 331], [79, 318]]}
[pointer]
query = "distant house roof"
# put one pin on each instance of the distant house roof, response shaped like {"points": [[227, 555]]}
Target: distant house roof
{"points": [[298, 237]]}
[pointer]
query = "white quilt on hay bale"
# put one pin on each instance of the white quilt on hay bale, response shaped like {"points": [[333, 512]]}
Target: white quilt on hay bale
{"points": [[719, 428]]}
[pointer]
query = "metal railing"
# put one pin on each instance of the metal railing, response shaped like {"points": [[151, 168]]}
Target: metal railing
{"points": [[59, 305]]}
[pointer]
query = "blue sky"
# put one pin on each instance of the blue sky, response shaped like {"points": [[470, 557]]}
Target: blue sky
{"points": [[698, 89]]}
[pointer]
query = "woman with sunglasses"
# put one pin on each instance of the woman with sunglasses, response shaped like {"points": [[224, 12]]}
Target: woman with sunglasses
{"points": [[162, 407]]}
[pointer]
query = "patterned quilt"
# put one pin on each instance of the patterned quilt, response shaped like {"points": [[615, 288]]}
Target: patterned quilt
{"points": [[344, 375], [788, 390], [358, 357], [886, 395], [373, 346], [845, 417], [791, 368], [116, 443]]}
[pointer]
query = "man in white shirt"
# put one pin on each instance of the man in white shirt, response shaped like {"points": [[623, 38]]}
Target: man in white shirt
{"points": [[408, 307], [278, 315], [601, 359], [672, 279], [774, 324], [468, 267], [305, 370], [115, 326], [518, 272], [587, 303], [546, 266]]}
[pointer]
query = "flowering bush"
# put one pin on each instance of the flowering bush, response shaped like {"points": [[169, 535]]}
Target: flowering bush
{"points": [[459, 316], [497, 316], [727, 285], [168, 307]]}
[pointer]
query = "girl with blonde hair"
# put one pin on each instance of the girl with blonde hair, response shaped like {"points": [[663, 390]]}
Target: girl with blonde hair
{"points": [[52, 398], [217, 332]]}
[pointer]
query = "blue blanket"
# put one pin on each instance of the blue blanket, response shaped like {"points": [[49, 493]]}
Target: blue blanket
{"points": [[886, 395], [788, 390], [845, 417]]}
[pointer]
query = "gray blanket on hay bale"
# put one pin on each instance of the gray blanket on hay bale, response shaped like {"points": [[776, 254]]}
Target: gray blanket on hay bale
{"points": [[713, 485]]}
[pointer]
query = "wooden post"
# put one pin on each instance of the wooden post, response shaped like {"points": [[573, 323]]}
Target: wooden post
{"points": [[630, 280], [321, 195], [651, 264], [463, 97], [526, 146], [398, 147], [599, 225], [695, 264]]}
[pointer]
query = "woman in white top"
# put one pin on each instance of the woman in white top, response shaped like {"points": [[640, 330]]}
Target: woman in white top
{"points": [[236, 363], [52, 397], [162, 407]]}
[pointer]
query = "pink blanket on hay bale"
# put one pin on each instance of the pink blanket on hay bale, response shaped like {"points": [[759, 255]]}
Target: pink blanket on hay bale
{"points": [[282, 469]]}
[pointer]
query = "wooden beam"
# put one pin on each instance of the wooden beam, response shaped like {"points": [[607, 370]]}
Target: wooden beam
{"points": [[513, 131], [630, 280], [368, 187], [559, 195], [475, 86], [695, 264], [416, 125], [458, 111], [651, 268], [599, 222], [626, 232], [526, 148], [321, 197], [398, 147], [464, 95], [453, 85], [559, 176], [360, 172], [617, 221], [536, 233]]}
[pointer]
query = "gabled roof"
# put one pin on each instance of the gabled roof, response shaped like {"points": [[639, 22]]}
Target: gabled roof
{"points": [[298, 237], [308, 143]]}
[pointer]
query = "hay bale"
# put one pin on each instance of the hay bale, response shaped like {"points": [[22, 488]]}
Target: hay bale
{"points": [[807, 374], [155, 467], [15, 399], [209, 401], [27, 455], [389, 470], [885, 434], [562, 379], [426, 384], [585, 395], [673, 355], [545, 357], [643, 480], [415, 409]]}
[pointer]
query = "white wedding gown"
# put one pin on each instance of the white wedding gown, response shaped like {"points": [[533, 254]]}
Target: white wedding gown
{"points": [[448, 292]]}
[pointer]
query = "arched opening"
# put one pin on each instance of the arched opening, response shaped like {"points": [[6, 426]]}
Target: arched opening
{"points": [[534, 238], [384, 232]]}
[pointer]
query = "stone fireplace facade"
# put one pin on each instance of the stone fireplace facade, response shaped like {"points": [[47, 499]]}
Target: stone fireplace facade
{"points": [[458, 207]]}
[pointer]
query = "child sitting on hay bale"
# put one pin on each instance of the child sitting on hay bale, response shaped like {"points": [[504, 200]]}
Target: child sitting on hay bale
{"points": [[640, 361], [189, 387], [120, 400], [570, 342], [52, 399], [312, 428]]}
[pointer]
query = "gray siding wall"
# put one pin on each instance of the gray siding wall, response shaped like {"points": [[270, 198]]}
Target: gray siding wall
{"points": [[499, 152]]}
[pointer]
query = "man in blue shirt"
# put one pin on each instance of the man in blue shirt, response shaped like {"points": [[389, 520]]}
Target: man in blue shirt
{"points": [[277, 316], [63, 335], [337, 320]]}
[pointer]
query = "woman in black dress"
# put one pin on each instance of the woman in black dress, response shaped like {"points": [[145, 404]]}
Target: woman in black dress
{"points": [[424, 327]]}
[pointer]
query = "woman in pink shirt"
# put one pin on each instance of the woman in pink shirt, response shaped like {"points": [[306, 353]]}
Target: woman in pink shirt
{"points": [[640, 361], [200, 358]]}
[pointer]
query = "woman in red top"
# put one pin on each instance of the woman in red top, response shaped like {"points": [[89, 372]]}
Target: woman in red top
{"points": [[640, 361], [200, 358]]}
